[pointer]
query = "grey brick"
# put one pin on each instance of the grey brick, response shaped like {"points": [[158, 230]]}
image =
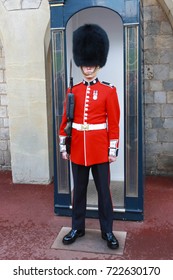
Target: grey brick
{"points": [[168, 85], [4, 133], [167, 110], [160, 97], [3, 88], [153, 149], [3, 145], [148, 123], [151, 135], [161, 71], [165, 28], [168, 123], [3, 112], [157, 13], [165, 162], [157, 122], [149, 97], [170, 97], [167, 148], [7, 158], [153, 27], [165, 135], [156, 85], [151, 54], [153, 110], [166, 56]]}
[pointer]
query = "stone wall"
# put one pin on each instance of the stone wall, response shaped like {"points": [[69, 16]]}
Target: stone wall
{"points": [[4, 122], [23, 33], [158, 90]]}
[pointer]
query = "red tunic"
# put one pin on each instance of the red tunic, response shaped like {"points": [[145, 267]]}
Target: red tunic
{"points": [[95, 103]]}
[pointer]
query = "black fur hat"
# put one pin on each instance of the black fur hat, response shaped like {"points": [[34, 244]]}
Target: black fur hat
{"points": [[90, 46]]}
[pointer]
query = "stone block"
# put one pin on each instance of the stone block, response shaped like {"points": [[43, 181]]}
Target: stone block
{"points": [[151, 135], [157, 122], [150, 3], [167, 110], [6, 122], [3, 112], [167, 148], [2, 63], [165, 162], [156, 85], [12, 5], [171, 73], [1, 158], [4, 100], [161, 71], [148, 123], [153, 28], [158, 148], [3, 88], [1, 76], [170, 97], [168, 123], [163, 41], [147, 13], [149, 43], [160, 97], [168, 85], [166, 55], [165, 135], [150, 165], [7, 158], [31, 4], [3, 145], [4, 133], [149, 97], [1, 122], [153, 111], [157, 13], [165, 28], [146, 85]]}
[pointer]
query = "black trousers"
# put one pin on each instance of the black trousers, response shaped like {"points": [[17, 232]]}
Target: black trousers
{"points": [[101, 175]]}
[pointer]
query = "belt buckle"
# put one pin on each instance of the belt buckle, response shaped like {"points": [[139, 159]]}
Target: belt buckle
{"points": [[85, 126]]}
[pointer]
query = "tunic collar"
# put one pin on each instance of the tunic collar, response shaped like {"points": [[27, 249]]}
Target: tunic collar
{"points": [[93, 82]]}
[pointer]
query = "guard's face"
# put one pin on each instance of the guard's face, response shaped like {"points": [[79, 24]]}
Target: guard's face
{"points": [[89, 71]]}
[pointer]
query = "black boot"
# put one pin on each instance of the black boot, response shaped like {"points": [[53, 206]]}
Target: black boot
{"points": [[72, 236], [112, 242]]}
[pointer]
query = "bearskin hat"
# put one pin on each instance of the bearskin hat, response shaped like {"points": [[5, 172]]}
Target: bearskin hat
{"points": [[90, 46]]}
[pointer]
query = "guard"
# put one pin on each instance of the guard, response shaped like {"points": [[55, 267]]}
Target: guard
{"points": [[95, 132]]}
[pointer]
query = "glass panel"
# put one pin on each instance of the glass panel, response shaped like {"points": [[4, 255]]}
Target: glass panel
{"points": [[131, 36], [59, 95]]}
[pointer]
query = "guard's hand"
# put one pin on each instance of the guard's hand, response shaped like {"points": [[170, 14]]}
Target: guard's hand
{"points": [[112, 159], [65, 156]]}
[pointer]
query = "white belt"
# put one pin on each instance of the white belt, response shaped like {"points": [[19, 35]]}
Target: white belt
{"points": [[83, 127]]}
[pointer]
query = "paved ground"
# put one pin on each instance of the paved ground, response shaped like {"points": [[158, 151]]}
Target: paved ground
{"points": [[28, 226]]}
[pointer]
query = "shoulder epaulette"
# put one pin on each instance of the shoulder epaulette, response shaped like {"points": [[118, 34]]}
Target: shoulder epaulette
{"points": [[107, 84]]}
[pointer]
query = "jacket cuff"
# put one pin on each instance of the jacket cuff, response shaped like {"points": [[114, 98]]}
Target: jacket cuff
{"points": [[113, 148], [62, 145]]}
